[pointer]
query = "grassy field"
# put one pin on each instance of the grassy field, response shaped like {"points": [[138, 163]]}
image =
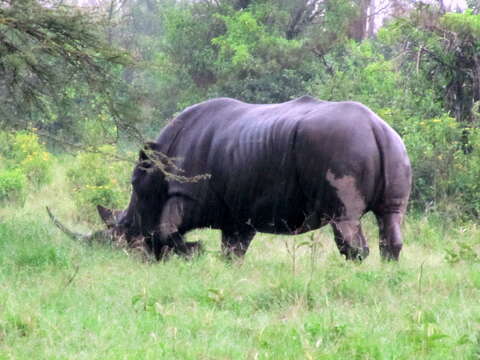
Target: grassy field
{"points": [[64, 300]]}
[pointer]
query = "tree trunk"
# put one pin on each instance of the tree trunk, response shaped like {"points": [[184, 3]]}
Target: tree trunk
{"points": [[358, 26], [371, 19]]}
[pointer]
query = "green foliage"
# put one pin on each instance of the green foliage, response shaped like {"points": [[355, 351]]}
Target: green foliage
{"points": [[466, 25], [443, 173], [25, 163], [365, 76], [419, 74], [242, 35], [466, 172], [433, 146], [85, 117], [43, 51], [30, 155], [26, 245], [13, 185], [99, 179], [462, 251], [474, 6], [438, 53], [257, 64], [206, 51]]}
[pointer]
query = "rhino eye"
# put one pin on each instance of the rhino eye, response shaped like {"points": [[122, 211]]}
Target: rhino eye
{"points": [[145, 165]]}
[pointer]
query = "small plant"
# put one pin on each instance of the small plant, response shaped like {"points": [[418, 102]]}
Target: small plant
{"points": [[462, 251], [13, 185], [293, 246], [19, 325], [424, 332], [145, 302], [24, 151], [30, 155]]}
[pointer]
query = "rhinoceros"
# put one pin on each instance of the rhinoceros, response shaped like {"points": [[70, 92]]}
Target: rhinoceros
{"points": [[285, 168]]}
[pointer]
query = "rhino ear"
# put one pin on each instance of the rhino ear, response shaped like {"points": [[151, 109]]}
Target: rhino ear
{"points": [[117, 214], [148, 148], [106, 215]]}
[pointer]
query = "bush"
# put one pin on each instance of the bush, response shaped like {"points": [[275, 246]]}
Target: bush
{"points": [[12, 185], [466, 169], [32, 157], [365, 76], [99, 179], [445, 175], [24, 151]]}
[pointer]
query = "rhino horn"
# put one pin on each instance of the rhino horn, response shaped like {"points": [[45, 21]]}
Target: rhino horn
{"points": [[71, 234], [102, 236]]}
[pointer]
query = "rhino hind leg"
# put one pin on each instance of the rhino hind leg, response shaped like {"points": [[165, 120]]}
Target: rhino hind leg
{"points": [[346, 225], [235, 243], [350, 239], [390, 235]]}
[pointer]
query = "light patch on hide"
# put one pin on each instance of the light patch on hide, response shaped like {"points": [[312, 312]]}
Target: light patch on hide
{"points": [[347, 192]]}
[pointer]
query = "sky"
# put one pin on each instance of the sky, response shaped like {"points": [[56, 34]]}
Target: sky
{"points": [[453, 5]]}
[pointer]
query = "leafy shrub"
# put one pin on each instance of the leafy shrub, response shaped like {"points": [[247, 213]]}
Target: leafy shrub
{"points": [[32, 157], [445, 175], [462, 251], [467, 175], [99, 179], [364, 75], [24, 151], [12, 185]]}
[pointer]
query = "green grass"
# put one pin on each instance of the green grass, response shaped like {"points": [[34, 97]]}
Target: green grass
{"points": [[63, 300]]}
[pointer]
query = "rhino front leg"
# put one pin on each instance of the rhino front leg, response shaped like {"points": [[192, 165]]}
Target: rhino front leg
{"points": [[235, 242], [168, 238]]}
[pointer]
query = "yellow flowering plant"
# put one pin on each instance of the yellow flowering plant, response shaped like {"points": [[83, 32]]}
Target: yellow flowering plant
{"points": [[31, 156], [24, 161]]}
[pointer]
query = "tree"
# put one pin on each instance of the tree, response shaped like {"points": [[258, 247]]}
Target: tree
{"points": [[358, 25], [474, 5], [47, 55], [443, 50]]}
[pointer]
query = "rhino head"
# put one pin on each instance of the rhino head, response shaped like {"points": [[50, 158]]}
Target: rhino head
{"points": [[117, 235], [113, 234]]}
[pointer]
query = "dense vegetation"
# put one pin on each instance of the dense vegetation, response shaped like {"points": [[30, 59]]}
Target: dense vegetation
{"points": [[62, 73], [81, 88]]}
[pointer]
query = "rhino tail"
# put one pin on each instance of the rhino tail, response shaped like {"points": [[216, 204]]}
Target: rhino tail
{"points": [[396, 171]]}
